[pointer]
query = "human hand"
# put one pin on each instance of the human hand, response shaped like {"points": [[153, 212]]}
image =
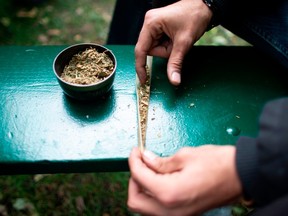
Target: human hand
{"points": [[170, 32], [190, 182]]}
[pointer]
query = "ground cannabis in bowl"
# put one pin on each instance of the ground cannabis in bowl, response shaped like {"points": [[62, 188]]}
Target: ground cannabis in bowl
{"points": [[88, 67]]}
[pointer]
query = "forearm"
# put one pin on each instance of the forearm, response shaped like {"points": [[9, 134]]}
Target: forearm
{"points": [[262, 162]]}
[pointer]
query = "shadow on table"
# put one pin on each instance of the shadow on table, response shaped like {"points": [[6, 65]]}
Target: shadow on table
{"points": [[90, 111]]}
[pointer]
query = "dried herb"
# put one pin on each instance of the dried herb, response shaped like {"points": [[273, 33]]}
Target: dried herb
{"points": [[88, 67], [143, 100]]}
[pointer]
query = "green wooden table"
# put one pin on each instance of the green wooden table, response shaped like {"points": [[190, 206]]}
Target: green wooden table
{"points": [[43, 131]]}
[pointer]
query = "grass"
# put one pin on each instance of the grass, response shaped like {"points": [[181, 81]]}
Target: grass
{"points": [[64, 194], [55, 22], [68, 22]]}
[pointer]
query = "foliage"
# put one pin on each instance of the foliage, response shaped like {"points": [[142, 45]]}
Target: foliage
{"points": [[54, 21], [64, 194]]}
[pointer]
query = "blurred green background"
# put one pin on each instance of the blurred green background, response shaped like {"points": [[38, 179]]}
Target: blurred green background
{"points": [[55, 22]]}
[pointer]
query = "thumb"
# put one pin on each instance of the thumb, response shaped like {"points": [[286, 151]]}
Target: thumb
{"points": [[174, 69], [161, 165], [180, 49]]}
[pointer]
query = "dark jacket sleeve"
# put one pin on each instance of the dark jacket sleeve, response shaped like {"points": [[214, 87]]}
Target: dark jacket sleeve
{"points": [[262, 162], [225, 9]]}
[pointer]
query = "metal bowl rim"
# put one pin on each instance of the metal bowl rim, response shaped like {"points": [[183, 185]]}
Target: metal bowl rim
{"points": [[89, 85]]}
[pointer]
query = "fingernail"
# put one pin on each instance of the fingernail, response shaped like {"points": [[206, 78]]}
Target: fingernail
{"points": [[176, 78], [149, 155]]}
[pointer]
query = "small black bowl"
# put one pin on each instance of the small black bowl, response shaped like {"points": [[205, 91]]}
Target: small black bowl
{"points": [[78, 91]]}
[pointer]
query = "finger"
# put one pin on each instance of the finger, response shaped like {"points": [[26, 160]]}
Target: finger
{"points": [[149, 37], [174, 66], [140, 202], [162, 165], [146, 177], [140, 64], [142, 49], [162, 50], [135, 157]]}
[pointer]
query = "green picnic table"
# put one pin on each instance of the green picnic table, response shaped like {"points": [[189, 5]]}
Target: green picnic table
{"points": [[44, 131]]}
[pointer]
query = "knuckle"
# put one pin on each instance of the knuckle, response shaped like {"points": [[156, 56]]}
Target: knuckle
{"points": [[150, 14], [151, 18], [176, 64]]}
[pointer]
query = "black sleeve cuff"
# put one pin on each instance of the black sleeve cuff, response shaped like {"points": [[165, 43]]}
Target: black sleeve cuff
{"points": [[247, 164], [214, 20]]}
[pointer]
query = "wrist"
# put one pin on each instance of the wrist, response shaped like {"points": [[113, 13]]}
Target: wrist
{"points": [[214, 20]]}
